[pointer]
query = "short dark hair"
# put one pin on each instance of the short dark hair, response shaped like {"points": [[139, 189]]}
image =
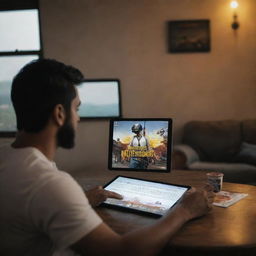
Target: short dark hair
{"points": [[38, 88]]}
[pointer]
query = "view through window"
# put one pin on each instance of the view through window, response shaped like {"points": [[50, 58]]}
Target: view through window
{"points": [[19, 44]]}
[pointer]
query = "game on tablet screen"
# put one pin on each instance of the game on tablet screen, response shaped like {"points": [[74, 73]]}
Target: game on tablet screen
{"points": [[140, 144]]}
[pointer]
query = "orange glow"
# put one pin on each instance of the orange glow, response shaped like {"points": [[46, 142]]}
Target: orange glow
{"points": [[127, 139]]}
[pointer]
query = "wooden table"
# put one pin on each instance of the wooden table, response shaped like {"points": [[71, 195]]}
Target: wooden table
{"points": [[224, 230]]}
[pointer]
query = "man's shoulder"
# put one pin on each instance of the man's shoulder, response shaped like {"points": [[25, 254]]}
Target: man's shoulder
{"points": [[25, 160], [31, 169]]}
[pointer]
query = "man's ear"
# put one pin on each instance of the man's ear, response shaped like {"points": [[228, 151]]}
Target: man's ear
{"points": [[59, 114]]}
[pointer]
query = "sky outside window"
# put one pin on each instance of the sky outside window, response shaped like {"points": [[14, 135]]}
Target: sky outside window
{"points": [[19, 45], [9, 68], [19, 30]]}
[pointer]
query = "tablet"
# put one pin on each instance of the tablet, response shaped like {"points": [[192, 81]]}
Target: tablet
{"points": [[140, 144], [145, 196]]}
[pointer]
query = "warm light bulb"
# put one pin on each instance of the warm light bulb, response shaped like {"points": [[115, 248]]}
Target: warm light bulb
{"points": [[234, 4]]}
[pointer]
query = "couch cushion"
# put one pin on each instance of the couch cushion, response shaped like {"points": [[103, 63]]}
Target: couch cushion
{"points": [[217, 141], [236, 172], [249, 131], [247, 154]]}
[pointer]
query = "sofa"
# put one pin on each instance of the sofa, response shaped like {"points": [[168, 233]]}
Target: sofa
{"points": [[228, 146]]}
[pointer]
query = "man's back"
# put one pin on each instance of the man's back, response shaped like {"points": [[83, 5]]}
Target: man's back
{"points": [[37, 200]]}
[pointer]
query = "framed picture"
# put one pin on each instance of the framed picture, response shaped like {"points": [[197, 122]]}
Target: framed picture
{"points": [[100, 98], [189, 36]]}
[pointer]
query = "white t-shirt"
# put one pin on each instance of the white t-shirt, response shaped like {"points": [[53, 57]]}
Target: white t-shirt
{"points": [[43, 210]]}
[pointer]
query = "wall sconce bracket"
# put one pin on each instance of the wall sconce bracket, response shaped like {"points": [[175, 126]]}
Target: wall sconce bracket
{"points": [[235, 24]]}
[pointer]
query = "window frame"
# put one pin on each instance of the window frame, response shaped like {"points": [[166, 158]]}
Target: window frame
{"points": [[20, 5]]}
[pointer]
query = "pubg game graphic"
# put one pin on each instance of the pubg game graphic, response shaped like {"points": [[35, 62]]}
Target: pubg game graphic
{"points": [[140, 144]]}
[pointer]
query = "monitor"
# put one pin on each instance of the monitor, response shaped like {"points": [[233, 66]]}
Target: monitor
{"points": [[100, 98], [142, 144]]}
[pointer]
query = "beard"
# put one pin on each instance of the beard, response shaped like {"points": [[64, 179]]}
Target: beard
{"points": [[66, 136]]}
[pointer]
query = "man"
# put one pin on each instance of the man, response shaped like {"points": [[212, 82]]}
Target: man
{"points": [[43, 210]]}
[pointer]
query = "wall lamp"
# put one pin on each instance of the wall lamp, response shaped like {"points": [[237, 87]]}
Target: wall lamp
{"points": [[235, 24]]}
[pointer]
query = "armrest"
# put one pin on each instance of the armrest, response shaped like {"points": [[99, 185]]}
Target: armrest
{"points": [[189, 154]]}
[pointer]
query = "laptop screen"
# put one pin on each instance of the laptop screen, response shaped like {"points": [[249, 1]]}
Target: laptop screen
{"points": [[140, 144]]}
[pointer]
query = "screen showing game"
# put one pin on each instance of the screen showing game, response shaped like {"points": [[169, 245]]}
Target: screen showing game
{"points": [[144, 195], [140, 144]]}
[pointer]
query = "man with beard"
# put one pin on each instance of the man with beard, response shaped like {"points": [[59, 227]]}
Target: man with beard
{"points": [[43, 210]]}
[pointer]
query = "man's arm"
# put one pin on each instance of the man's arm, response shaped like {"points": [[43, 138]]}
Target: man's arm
{"points": [[104, 241]]}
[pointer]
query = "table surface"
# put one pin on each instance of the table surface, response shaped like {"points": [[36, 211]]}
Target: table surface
{"points": [[223, 229]]}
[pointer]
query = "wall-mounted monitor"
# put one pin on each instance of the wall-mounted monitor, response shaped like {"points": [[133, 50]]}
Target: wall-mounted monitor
{"points": [[100, 98], [140, 144]]}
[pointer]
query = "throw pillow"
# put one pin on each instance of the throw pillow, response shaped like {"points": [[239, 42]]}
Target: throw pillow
{"points": [[247, 153]]}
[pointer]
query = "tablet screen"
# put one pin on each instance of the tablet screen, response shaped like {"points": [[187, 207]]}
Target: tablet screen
{"points": [[144, 195], [143, 144]]}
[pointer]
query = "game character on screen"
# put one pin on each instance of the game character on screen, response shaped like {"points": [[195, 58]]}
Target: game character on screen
{"points": [[139, 144]]}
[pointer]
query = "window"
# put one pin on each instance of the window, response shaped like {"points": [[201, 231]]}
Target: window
{"points": [[20, 43]]}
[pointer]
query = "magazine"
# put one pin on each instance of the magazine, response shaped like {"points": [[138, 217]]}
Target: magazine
{"points": [[225, 198]]}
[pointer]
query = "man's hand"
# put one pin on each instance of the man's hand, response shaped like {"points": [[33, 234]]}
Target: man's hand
{"points": [[98, 195], [198, 202]]}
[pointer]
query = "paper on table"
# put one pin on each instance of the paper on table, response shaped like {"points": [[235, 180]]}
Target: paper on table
{"points": [[225, 198]]}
